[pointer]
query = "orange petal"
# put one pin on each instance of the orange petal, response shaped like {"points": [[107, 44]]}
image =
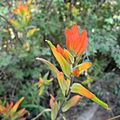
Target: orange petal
{"points": [[15, 11], [68, 35], [7, 105], [11, 105], [68, 56], [82, 43], [85, 43], [65, 53], [75, 35], [15, 107], [22, 112], [52, 101], [60, 50]]}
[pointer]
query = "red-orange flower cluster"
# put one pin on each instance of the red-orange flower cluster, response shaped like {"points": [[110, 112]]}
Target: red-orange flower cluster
{"points": [[10, 110], [75, 41], [64, 53], [20, 8]]}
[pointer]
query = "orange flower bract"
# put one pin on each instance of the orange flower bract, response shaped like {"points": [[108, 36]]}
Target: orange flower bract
{"points": [[20, 8], [75, 41], [10, 110], [65, 53], [52, 101]]}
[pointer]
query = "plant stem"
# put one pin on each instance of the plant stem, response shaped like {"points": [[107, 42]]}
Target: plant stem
{"points": [[67, 97], [114, 118], [46, 110]]}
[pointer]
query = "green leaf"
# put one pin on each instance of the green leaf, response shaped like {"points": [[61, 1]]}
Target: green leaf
{"points": [[54, 111], [31, 32], [81, 68], [41, 91], [101, 103], [65, 66], [79, 89], [70, 103], [62, 82], [50, 65]]}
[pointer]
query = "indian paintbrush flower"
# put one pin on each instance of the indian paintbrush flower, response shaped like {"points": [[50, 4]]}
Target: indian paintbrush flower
{"points": [[23, 11], [21, 8], [10, 110], [68, 60], [76, 42]]}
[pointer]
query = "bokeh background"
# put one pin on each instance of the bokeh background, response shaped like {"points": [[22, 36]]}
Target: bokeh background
{"points": [[19, 70]]}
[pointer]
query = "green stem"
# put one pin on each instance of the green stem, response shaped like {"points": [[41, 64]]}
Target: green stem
{"points": [[67, 97]]}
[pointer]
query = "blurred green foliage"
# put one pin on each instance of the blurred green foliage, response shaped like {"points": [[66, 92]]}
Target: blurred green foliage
{"points": [[18, 67]]}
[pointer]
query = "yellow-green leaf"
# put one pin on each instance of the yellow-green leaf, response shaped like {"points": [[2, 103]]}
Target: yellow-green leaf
{"points": [[47, 82], [101, 103], [14, 23], [15, 107], [88, 80], [62, 82], [50, 65], [31, 32], [68, 56], [70, 103], [78, 88], [54, 110], [65, 66], [81, 68], [41, 91], [67, 85], [29, 2]]}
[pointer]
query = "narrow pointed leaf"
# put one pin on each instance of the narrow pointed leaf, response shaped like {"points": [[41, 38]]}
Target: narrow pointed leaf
{"points": [[101, 103], [71, 102], [65, 66], [87, 81], [15, 107], [65, 53], [31, 32], [48, 81], [54, 111], [41, 91], [67, 85], [52, 101], [50, 65], [68, 56], [29, 2], [62, 82], [81, 68], [14, 23], [2, 108], [22, 112], [78, 88]]}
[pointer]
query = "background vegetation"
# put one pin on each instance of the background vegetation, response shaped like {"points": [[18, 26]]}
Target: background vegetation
{"points": [[18, 68]]}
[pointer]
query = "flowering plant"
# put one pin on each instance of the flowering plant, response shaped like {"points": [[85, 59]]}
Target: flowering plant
{"points": [[10, 111], [21, 21], [69, 60]]}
